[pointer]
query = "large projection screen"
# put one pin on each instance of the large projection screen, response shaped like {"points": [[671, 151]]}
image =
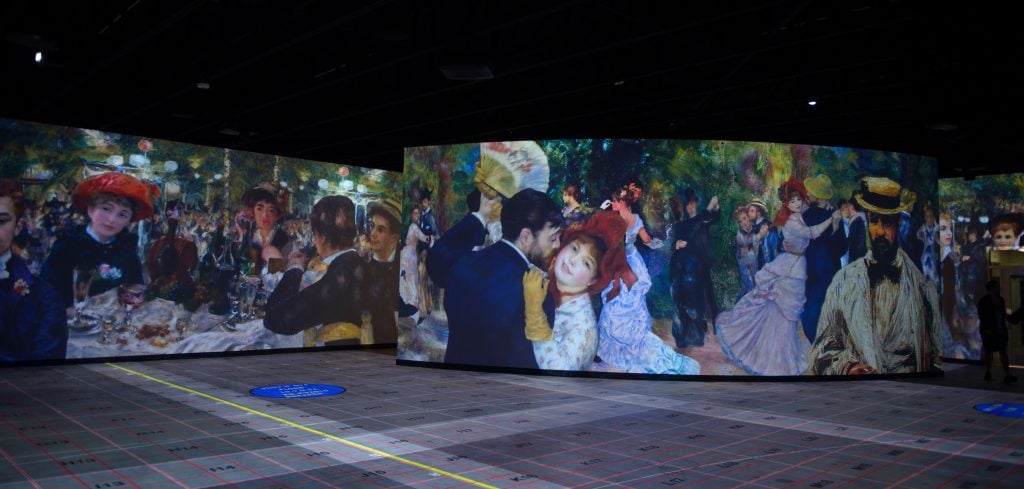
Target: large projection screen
{"points": [[119, 245], [978, 229], [669, 257]]}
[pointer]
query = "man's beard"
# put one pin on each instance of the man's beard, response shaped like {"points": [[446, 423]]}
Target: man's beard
{"points": [[538, 257], [884, 267]]}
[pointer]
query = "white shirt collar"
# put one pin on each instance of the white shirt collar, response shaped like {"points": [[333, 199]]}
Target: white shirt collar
{"points": [[88, 230], [390, 259]]}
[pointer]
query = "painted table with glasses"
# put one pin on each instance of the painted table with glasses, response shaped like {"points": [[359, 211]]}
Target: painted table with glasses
{"points": [[118, 323]]}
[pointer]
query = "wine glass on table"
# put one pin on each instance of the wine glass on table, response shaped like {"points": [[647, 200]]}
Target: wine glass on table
{"points": [[81, 281], [130, 296], [107, 326]]}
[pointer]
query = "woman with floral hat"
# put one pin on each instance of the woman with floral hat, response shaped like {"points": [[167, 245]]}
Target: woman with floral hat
{"points": [[112, 201]]}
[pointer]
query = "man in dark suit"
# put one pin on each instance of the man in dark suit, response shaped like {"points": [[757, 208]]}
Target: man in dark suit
{"points": [[823, 253], [484, 288], [856, 234], [33, 325]]}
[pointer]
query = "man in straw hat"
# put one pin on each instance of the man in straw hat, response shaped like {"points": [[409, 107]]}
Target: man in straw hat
{"points": [[769, 246], [823, 253], [385, 223], [879, 315]]}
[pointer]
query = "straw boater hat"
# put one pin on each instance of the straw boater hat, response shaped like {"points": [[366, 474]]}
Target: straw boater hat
{"points": [[883, 196], [760, 205], [390, 210], [120, 184], [819, 186], [507, 167]]}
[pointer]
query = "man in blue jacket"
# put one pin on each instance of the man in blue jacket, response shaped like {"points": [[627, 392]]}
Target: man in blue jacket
{"points": [[824, 253], [484, 288]]}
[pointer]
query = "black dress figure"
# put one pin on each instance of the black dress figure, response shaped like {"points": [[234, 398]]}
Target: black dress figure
{"points": [[690, 265]]}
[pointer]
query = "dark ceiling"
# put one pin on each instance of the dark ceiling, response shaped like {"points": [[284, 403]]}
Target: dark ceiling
{"points": [[355, 82]]}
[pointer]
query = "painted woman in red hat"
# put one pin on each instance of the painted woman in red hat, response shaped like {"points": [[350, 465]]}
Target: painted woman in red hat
{"points": [[760, 334], [590, 258], [112, 201]]}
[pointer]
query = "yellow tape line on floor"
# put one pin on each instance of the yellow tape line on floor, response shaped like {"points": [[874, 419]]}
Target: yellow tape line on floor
{"points": [[305, 428]]}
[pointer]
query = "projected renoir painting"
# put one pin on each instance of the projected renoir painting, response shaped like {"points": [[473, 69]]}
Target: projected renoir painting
{"points": [[669, 257], [977, 218], [115, 245]]}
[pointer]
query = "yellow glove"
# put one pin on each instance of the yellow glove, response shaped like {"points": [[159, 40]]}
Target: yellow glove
{"points": [[535, 289]]}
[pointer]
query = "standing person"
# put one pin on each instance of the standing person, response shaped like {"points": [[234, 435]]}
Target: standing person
{"points": [[880, 314], [330, 311], [857, 238], [428, 225], [573, 213], [33, 322], [770, 246], [409, 285], [625, 337], [591, 257], [994, 336], [690, 265], [112, 201], [484, 288], [747, 243], [760, 334], [928, 234], [823, 253], [949, 286], [385, 221]]}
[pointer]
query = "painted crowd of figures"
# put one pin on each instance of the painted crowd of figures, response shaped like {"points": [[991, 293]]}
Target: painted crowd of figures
{"points": [[321, 277], [823, 290]]}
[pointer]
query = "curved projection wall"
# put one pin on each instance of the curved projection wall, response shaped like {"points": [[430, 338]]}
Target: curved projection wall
{"points": [[977, 220], [135, 246], [669, 257]]}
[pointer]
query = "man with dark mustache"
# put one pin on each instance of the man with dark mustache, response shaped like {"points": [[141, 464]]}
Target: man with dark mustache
{"points": [[880, 315]]}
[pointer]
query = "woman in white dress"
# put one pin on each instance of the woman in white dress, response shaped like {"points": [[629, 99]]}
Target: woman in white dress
{"points": [[408, 284], [626, 339], [760, 334]]}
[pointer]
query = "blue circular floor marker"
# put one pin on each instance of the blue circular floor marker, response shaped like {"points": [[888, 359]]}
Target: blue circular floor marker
{"points": [[1009, 409], [292, 391]]}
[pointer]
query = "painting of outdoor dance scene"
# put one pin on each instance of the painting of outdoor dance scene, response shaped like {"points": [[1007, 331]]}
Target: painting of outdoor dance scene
{"points": [[115, 245], [979, 222], [669, 257]]}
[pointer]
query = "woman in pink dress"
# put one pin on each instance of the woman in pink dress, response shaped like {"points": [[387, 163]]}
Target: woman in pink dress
{"points": [[761, 334]]}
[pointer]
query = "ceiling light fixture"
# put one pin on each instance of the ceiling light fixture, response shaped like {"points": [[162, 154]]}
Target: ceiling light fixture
{"points": [[203, 85], [467, 72], [39, 57], [812, 103]]}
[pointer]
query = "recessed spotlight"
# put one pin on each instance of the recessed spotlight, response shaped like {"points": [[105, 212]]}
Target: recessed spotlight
{"points": [[39, 57], [812, 103], [619, 83], [203, 85]]}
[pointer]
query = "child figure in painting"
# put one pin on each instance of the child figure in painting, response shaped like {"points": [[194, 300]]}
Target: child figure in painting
{"points": [[626, 340], [761, 334], [591, 257], [747, 243]]}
